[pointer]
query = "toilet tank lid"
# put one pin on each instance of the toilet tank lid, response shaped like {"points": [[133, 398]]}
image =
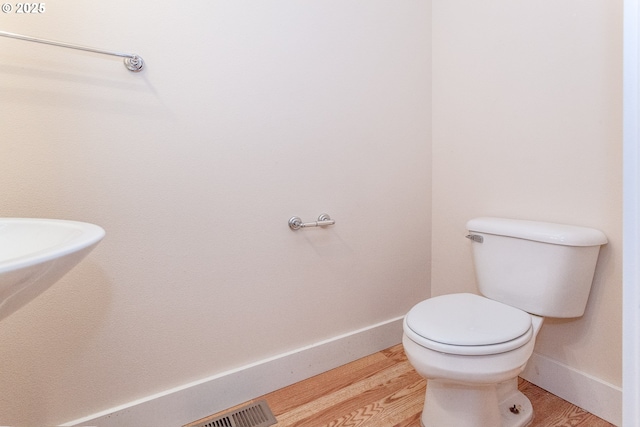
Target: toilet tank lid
{"points": [[547, 232]]}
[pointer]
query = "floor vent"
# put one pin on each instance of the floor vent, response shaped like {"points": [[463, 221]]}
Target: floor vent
{"points": [[257, 414]]}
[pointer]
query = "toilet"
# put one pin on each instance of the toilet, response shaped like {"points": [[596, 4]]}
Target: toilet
{"points": [[470, 348]]}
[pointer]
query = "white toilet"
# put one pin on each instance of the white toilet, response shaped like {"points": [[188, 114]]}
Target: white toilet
{"points": [[471, 348]]}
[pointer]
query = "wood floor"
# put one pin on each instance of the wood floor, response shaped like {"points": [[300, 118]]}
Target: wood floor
{"points": [[383, 390]]}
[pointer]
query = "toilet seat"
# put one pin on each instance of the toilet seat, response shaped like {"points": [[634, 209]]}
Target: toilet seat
{"points": [[467, 324]]}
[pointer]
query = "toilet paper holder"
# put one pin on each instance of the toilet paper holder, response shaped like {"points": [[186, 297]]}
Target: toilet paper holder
{"points": [[295, 223]]}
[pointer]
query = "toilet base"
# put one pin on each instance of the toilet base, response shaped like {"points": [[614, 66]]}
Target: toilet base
{"points": [[523, 418], [464, 405]]}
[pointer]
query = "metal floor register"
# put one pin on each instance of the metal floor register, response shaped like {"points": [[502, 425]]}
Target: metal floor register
{"points": [[257, 414]]}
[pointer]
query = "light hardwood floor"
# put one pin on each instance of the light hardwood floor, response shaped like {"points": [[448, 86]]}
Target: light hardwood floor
{"points": [[383, 390]]}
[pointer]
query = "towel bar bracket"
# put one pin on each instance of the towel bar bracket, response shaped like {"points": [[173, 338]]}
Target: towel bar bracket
{"points": [[134, 63]]}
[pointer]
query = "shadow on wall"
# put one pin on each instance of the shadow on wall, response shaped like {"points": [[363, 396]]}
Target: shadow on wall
{"points": [[64, 320]]}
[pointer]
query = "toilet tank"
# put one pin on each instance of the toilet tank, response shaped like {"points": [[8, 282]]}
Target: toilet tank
{"points": [[542, 268]]}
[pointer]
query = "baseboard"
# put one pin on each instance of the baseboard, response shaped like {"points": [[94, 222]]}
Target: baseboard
{"points": [[583, 390], [199, 399]]}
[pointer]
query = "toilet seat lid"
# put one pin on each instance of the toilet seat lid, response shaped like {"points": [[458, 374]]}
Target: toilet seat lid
{"points": [[468, 321]]}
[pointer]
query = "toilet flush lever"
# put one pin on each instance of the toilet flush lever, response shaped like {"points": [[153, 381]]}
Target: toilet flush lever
{"points": [[475, 237]]}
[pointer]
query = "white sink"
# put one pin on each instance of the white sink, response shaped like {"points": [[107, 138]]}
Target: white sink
{"points": [[36, 253]]}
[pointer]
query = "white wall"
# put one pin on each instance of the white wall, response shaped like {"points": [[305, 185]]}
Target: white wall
{"points": [[527, 117], [248, 113]]}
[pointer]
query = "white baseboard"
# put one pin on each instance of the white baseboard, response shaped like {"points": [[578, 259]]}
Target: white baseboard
{"points": [[583, 390], [196, 400]]}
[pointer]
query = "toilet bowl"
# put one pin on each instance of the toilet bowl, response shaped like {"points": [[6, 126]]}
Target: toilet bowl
{"points": [[472, 378], [470, 348]]}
